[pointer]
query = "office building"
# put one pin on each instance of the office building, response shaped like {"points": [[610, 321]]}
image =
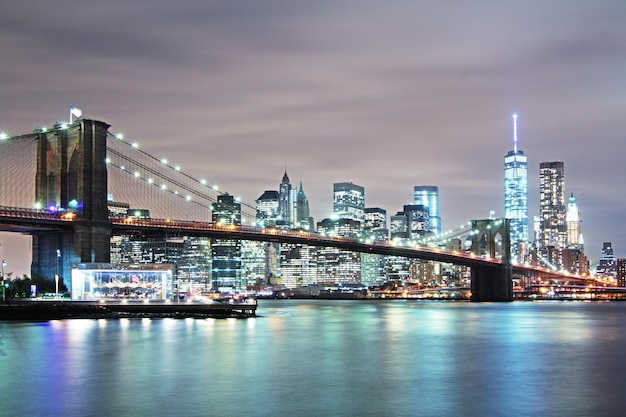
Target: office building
{"points": [[374, 230], [226, 253], [621, 272], [607, 265], [268, 209], [516, 193], [286, 200], [572, 219], [303, 217], [428, 196], [349, 201], [552, 205]]}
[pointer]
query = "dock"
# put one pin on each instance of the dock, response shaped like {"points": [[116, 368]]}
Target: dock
{"points": [[114, 309]]}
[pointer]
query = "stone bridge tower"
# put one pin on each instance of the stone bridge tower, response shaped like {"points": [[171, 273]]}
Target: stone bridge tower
{"points": [[72, 175], [492, 238]]}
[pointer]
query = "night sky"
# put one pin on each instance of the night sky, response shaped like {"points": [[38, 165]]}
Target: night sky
{"points": [[386, 94]]}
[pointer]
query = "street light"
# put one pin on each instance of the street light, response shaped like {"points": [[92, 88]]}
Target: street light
{"points": [[4, 294], [56, 276]]}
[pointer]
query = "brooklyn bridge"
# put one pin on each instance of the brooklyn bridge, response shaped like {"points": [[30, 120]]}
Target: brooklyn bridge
{"points": [[57, 185]]}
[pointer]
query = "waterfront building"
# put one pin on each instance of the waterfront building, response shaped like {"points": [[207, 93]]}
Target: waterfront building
{"points": [[516, 194], [268, 209], [349, 201], [268, 215], [621, 272], [226, 253], [552, 205], [375, 230], [334, 265], [298, 265], [428, 196], [572, 219], [398, 267], [607, 265], [253, 264]]}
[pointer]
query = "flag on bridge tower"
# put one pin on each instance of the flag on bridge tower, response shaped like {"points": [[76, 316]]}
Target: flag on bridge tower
{"points": [[75, 112]]}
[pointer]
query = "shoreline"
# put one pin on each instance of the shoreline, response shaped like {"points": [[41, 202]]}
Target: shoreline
{"points": [[62, 309]]}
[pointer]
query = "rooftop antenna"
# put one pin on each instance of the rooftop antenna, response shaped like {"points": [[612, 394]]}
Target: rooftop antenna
{"points": [[515, 132]]}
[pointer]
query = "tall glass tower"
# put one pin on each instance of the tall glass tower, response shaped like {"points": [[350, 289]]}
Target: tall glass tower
{"points": [[428, 196], [349, 201], [552, 204], [516, 193]]}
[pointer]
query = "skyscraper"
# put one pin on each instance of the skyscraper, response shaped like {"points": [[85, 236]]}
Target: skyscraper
{"points": [[516, 193], [552, 205], [226, 253], [607, 263], [374, 229], [285, 202], [267, 209], [349, 201], [572, 219], [303, 217], [428, 196]]}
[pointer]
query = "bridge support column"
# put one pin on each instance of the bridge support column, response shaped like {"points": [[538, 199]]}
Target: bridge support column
{"points": [[492, 283], [72, 175]]}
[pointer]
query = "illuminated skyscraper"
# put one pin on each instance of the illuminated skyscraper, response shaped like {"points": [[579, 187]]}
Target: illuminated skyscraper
{"points": [[552, 205], [303, 218], [285, 200], [226, 253], [607, 265], [516, 192], [428, 196], [349, 201], [572, 219]]}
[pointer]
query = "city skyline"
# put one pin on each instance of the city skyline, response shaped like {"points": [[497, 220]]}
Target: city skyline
{"points": [[388, 96]]}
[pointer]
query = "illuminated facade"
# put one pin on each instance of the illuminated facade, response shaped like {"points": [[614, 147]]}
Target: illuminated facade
{"points": [[516, 193], [285, 204], [128, 281], [374, 229], [621, 272], [349, 201], [428, 196], [226, 253], [572, 219], [552, 212], [303, 216], [267, 209], [607, 263], [335, 265]]}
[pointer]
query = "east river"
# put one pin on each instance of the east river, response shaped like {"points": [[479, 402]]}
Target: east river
{"points": [[326, 358]]}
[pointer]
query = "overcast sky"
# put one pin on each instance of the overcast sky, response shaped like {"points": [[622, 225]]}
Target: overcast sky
{"points": [[386, 94]]}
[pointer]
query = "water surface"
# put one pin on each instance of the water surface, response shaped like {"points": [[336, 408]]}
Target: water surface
{"points": [[326, 358]]}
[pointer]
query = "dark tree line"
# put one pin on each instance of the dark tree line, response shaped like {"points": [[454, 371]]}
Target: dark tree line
{"points": [[21, 287]]}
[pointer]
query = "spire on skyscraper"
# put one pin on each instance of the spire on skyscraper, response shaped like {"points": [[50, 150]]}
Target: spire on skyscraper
{"points": [[515, 132], [516, 193]]}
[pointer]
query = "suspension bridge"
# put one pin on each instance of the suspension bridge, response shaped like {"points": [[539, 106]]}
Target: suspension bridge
{"points": [[59, 183]]}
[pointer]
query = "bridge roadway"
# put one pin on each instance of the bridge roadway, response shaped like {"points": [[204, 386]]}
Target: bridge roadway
{"points": [[31, 221]]}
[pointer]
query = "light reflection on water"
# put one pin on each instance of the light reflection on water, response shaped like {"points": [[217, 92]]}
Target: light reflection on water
{"points": [[312, 358]]}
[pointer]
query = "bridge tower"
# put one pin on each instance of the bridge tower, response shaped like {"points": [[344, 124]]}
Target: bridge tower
{"points": [[71, 175], [492, 238]]}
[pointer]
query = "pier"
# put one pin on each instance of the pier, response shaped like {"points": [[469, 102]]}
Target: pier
{"points": [[59, 309]]}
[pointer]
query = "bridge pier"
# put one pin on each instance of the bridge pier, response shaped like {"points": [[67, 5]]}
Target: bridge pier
{"points": [[493, 283], [72, 175]]}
